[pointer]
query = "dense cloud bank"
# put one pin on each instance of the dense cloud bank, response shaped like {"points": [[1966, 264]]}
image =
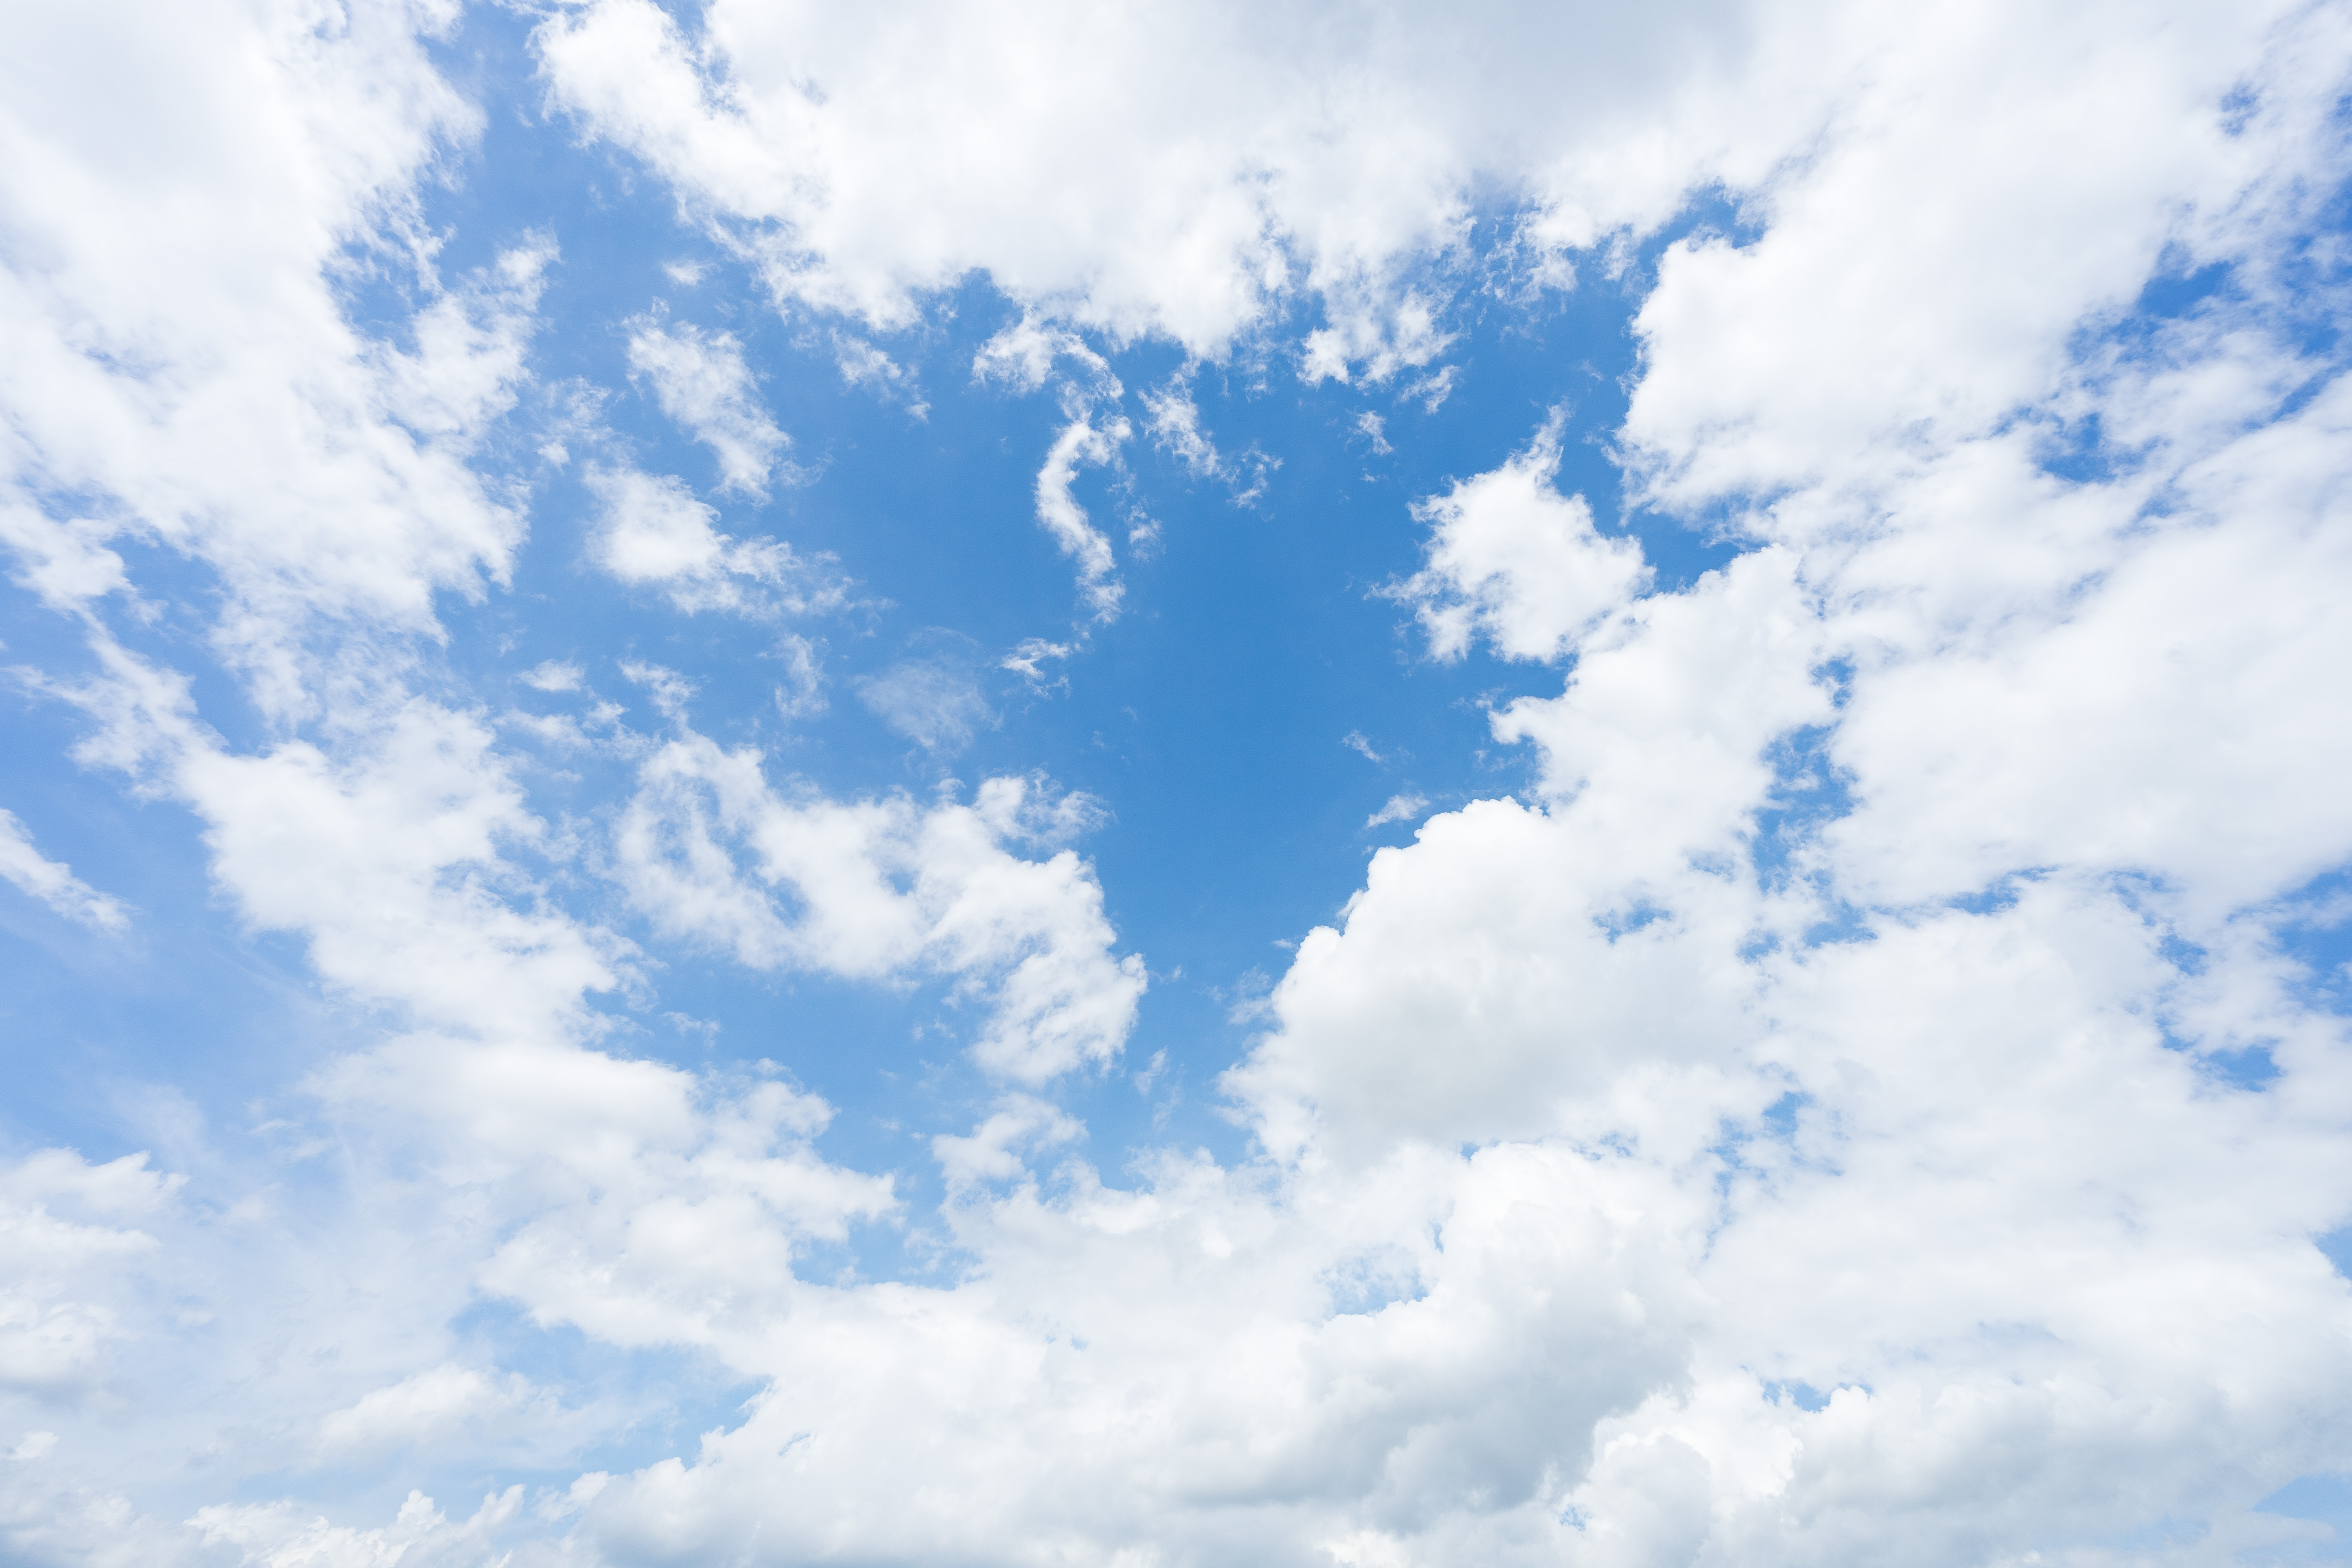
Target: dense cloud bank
{"points": [[1870, 1098]]}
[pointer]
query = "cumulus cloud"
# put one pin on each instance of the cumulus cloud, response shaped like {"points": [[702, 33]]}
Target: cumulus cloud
{"points": [[1810, 1123], [1514, 560], [277, 1535], [430, 1405], [654, 532], [710, 851], [207, 393]]}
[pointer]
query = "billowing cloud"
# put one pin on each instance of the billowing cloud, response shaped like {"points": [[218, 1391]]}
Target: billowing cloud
{"points": [[1514, 560], [708, 847], [1867, 1093]]}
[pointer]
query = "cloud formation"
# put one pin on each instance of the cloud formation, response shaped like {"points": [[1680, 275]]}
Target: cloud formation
{"points": [[701, 382], [1864, 1096]]}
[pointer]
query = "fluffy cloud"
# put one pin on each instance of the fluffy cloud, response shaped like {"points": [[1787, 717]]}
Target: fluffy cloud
{"points": [[1169, 174], [878, 887], [1857, 1104], [1513, 561], [207, 393], [654, 532]]}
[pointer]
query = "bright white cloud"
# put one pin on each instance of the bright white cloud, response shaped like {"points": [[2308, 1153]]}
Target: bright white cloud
{"points": [[1081, 443], [432, 1405], [180, 360], [1513, 560], [874, 888], [701, 382], [1175, 424], [1401, 808], [655, 534], [277, 1535], [1788, 1134], [52, 881]]}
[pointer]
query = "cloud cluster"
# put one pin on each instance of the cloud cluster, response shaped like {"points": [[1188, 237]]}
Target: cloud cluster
{"points": [[872, 889], [1862, 1104]]}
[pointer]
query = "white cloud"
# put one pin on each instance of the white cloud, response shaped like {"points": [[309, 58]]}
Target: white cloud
{"points": [[181, 372], [863, 364], [701, 382], [1607, 1129], [430, 1406], [876, 888], [1401, 808], [1512, 559], [52, 881], [553, 675], [1164, 176], [1175, 426], [1174, 421], [1430, 391], [989, 1153], [654, 532], [66, 1270], [277, 1535], [1081, 442], [800, 694], [1031, 654], [1023, 355]]}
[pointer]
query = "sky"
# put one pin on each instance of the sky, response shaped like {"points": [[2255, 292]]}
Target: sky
{"points": [[1304, 784]]}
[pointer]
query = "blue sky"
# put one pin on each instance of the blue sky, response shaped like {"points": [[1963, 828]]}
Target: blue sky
{"points": [[1322, 786]]}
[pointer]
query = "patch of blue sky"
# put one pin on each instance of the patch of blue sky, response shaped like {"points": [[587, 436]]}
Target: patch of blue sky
{"points": [[1804, 1395], [2323, 1499], [2313, 926], [1809, 790]]}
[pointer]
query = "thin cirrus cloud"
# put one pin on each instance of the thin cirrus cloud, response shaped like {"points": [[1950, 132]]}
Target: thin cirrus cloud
{"points": [[1860, 1078]]}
